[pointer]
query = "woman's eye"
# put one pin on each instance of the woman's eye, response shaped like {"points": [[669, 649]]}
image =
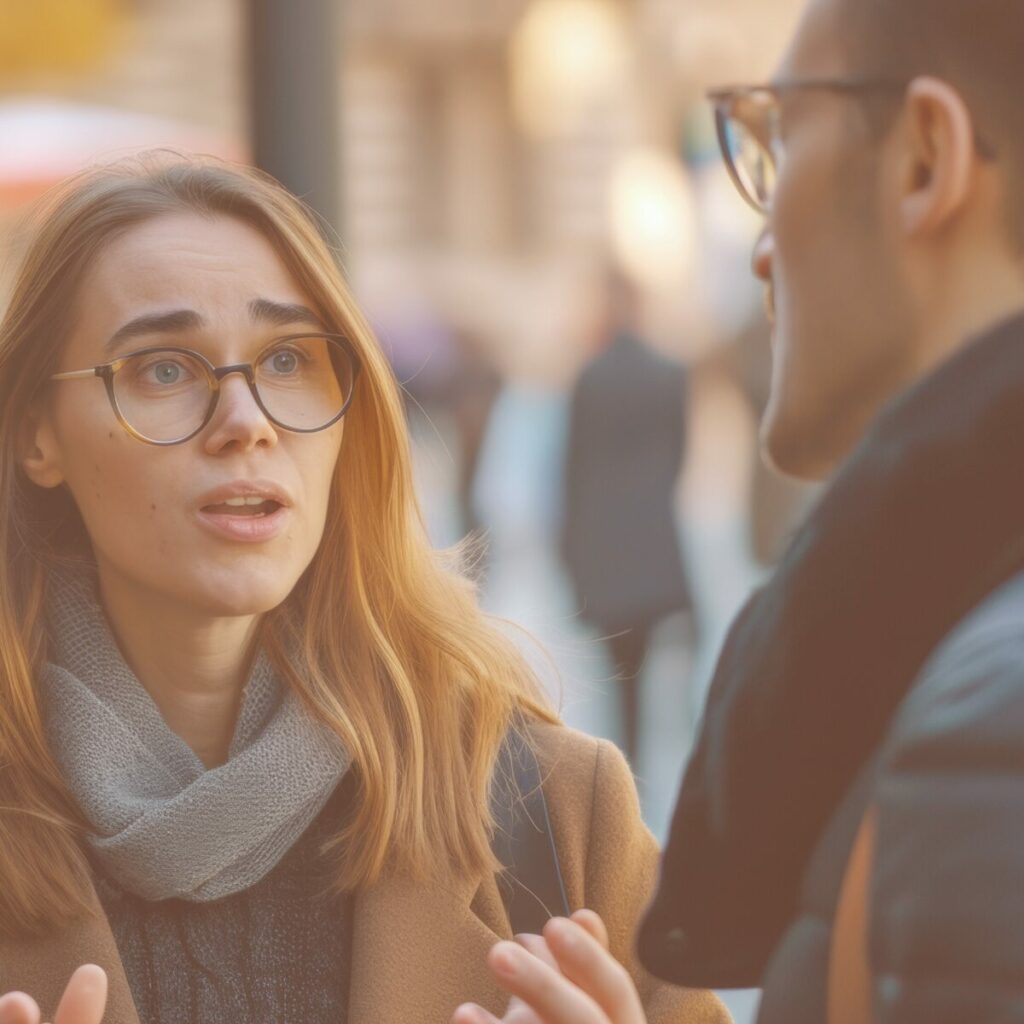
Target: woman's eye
{"points": [[167, 373], [284, 361]]}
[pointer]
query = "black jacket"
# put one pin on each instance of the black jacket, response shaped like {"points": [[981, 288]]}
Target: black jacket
{"points": [[806, 726]]}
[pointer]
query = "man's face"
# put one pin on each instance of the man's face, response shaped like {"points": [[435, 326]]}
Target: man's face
{"points": [[830, 258]]}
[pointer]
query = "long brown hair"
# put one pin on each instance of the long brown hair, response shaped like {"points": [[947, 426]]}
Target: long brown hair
{"points": [[396, 655]]}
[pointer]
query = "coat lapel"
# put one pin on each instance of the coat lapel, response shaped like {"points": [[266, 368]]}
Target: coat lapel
{"points": [[419, 951], [41, 967]]}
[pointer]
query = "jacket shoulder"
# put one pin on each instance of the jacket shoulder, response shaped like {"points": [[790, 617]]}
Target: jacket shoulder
{"points": [[565, 750], [609, 858], [594, 809]]}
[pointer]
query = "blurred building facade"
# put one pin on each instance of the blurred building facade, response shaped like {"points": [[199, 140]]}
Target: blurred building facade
{"points": [[480, 142]]}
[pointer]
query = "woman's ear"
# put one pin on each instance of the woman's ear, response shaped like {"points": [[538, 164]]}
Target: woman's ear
{"points": [[39, 451]]}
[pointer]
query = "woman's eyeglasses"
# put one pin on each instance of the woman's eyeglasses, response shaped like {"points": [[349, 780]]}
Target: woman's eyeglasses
{"points": [[302, 383], [748, 120]]}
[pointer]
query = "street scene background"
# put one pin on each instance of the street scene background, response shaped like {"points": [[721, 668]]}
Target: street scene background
{"points": [[485, 165]]}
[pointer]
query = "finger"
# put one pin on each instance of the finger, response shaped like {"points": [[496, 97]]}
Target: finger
{"points": [[536, 945], [468, 1013], [555, 999], [586, 963], [517, 1013], [85, 998], [593, 925], [18, 1008]]}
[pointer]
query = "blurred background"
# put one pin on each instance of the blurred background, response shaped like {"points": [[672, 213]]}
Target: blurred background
{"points": [[529, 203]]}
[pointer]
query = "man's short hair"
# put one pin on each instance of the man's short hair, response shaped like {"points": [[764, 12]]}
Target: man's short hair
{"points": [[977, 46]]}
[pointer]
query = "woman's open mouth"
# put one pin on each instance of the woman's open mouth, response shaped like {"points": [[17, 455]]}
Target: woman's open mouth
{"points": [[245, 507], [245, 519]]}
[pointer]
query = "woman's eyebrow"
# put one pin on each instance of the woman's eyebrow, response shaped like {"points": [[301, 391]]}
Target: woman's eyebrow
{"points": [[282, 314], [154, 323], [277, 314]]}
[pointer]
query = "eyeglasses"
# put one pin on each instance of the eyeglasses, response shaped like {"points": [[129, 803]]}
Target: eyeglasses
{"points": [[749, 123], [302, 383]]}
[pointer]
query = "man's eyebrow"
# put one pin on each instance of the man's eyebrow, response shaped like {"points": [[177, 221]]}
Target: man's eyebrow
{"points": [[282, 314], [154, 323]]}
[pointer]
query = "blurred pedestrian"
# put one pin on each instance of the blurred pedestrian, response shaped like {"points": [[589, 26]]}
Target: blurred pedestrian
{"points": [[472, 392], [625, 451]]}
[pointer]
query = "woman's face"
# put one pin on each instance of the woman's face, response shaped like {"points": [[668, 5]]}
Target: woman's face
{"points": [[155, 515]]}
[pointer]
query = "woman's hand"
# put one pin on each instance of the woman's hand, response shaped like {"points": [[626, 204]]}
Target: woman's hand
{"points": [[83, 1002], [568, 977]]}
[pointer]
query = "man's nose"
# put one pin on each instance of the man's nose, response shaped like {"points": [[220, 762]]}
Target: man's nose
{"points": [[764, 253]]}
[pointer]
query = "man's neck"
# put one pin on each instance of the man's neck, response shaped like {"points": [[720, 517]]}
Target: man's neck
{"points": [[194, 667], [971, 300]]}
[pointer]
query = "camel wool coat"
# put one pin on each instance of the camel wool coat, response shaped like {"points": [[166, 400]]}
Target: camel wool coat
{"points": [[419, 951]]}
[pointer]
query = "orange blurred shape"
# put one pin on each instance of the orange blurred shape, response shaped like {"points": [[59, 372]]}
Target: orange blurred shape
{"points": [[55, 35]]}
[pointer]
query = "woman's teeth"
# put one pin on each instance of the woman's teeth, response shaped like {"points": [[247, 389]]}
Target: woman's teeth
{"points": [[247, 506]]}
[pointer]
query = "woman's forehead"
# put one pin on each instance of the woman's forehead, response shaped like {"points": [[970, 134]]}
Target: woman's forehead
{"points": [[216, 266]]}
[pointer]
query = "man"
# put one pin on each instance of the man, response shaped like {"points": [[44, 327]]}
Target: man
{"points": [[624, 454], [875, 687]]}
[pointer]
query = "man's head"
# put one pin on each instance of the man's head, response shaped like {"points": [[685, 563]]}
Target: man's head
{"points": [[896, 226]]}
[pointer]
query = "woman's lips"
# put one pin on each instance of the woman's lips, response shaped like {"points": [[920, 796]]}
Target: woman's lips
{"points": [[243, 525]]}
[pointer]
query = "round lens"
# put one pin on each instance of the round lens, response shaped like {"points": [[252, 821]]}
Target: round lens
{"points": [[305, 383], [752, 161], [162, 395]]}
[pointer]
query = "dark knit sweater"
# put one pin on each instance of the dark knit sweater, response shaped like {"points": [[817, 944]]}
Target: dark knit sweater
{"points": [[277, 953]]}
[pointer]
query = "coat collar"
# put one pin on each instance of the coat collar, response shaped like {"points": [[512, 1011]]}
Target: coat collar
{"points": [[421, 950], [418, 951]]}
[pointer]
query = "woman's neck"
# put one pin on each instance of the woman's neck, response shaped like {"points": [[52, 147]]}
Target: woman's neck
{"points": [[193, 666]]}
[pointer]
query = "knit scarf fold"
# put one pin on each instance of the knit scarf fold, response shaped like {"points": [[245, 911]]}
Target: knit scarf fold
{"points": [[161, 823]]}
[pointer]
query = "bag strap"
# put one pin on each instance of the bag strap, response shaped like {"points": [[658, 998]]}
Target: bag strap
{"points": [[849, 971], [531, 883]]}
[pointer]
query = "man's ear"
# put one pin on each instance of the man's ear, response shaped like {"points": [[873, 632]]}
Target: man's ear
{"points": [[940, 157], [39, 451]]}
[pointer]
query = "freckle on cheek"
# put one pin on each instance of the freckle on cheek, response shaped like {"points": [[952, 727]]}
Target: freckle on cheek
{"points": [[152, 508]]}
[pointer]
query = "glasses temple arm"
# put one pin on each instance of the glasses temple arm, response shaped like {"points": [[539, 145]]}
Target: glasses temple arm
{"points": [[73, 374]]}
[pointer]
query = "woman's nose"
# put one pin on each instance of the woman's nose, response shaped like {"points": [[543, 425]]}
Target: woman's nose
{"points": [[238, 420]]}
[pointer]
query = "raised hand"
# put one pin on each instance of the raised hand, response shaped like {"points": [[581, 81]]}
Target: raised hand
{"points": [[83, 1002], [566, 977]]}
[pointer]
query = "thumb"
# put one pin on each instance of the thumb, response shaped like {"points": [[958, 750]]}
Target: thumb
{"points": [[18, 1008], [85, 998]]}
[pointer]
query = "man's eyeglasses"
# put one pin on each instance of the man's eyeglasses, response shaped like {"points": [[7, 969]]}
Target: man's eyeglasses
{"points": [[163, 396], [748, 120]]}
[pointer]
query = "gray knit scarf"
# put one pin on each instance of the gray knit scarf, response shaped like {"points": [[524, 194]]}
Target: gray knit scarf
{"points": [[162, 824]]}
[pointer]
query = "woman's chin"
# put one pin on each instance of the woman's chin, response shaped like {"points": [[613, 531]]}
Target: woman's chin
{"points": [[238, 594]]}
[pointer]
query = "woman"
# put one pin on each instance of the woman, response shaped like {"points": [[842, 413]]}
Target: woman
{"points": [[248, 718]]}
